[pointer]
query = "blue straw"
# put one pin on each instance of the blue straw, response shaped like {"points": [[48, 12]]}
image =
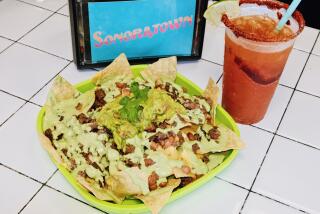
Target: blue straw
{"points": [[294, 4]]}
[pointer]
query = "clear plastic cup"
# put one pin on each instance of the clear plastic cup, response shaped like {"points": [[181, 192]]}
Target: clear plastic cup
{"points": [[253, 64]]}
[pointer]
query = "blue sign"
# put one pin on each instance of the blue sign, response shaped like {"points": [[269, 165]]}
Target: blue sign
{"points": [[141, 28]]}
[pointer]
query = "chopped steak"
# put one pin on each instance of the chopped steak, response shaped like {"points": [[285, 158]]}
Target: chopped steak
{"points": [[152, 181], [121, 85], [186, 169], [82, 118], [99, 99], [87, 157], [151, 128], [205, 158], [195, 148], [188, 104], [73, 163], [214, 133], [64, 151], [185, 181], [60, 136], [48, 134], [129, 163], [148, 162], [79, 106], [129, 149]]}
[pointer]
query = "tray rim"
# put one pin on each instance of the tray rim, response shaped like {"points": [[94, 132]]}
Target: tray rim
{"points": [[140, 208]]}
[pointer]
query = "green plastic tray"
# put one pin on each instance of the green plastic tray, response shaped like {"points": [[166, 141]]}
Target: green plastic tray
{"points": [[135, 206]]}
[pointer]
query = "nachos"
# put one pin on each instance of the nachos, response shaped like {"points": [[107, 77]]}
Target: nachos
{"points": [[135, 137]]}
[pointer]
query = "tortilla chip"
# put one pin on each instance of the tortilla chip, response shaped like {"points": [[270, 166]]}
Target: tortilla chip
{"points": [[227, 140], [164, 69], [85, 101], [123, 185], [156, 199], [211, 93], [120, 66], [179, 173], [171, 152], [234, 141], [61, 90], [47, 145], [215, 159], [102, 194]]}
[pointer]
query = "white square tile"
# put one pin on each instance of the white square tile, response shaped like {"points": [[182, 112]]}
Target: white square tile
{"points": [[16, 190], [20, 146], [290, 175], [200, 71], [53, 36], [9, 104], [216, 196], [48, 4], [306, 39], [316, 48], [25, 70], [249, 158], [70, 73], [296, 61], [17, 18], [4, 43], [64, 10], [59, 182], [309, 81], [301, 121], [276, 109], [257, 204], [50, 201], [213, 45]]}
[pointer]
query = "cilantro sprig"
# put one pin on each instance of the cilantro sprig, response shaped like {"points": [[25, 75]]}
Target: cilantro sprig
{"points": [[131, 106]]}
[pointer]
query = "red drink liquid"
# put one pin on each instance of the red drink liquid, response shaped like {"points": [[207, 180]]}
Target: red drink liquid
{"points": [[253, 65]]}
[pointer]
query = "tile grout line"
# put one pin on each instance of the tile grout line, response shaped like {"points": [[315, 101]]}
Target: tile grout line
{"points": [[49, 81], [43, 51], [20, 173], [218, 81], [276, 131], [264, 157], [28, 101], [296, 141], [210, 61], [304, 92], [262, 195], [262, 129], [44, 184], [286, 86], [237, 185], [70, 196], [13, 95], [19, 42], [34, 5], [1, 124], [31, 102], [280, 202], [62, 14], [24, 206], [279, 135]]}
